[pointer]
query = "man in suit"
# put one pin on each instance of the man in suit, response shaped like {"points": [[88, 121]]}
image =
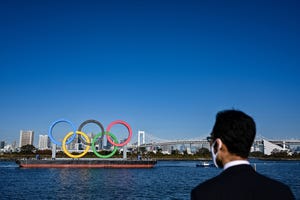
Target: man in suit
{"points": [[231, 139]]}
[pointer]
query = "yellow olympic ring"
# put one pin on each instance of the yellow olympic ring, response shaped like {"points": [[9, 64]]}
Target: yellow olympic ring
{"points": [[67, 152]]}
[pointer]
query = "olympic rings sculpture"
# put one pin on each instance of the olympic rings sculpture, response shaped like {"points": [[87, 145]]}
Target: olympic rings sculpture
{"points": [[111, 138]]}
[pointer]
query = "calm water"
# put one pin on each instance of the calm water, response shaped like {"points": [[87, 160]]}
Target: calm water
{"points": [[167, 180]]}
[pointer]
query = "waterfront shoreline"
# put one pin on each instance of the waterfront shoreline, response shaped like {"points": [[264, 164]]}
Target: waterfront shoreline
{"points": [[173, 159]]}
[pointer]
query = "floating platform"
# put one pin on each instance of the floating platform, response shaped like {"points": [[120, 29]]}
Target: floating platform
{"points": [[85, 163]]}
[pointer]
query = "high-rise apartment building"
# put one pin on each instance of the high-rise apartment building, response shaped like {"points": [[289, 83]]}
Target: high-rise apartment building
{"points": [[26, 137], [44, 142], [2, 144]]}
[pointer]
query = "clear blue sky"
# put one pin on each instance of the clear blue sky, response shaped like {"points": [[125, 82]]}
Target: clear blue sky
{"points": [[166, 67]]}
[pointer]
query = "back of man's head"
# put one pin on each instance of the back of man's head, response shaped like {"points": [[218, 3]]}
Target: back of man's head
{"points": [[236, 130]]}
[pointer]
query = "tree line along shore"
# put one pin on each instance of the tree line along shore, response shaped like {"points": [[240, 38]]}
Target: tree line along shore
{"points": [[30, 152]]}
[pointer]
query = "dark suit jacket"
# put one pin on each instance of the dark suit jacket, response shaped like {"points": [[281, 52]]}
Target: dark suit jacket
{"points": [[241, 182]]}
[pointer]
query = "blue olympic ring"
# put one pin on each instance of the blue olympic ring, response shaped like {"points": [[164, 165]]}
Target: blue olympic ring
{"points": [[69, 140]]}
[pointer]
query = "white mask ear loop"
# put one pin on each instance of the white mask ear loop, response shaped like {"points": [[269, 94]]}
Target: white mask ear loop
{"points": [[213, 154]]}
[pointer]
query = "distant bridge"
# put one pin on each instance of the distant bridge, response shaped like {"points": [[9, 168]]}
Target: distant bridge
{"points": [[175, 142], [152, 141]]}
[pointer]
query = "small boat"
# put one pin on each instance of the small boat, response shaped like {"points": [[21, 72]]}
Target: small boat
{"points": [[204, 164]]}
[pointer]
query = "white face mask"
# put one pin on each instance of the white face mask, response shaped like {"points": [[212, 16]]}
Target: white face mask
{"points": [[213, 154]]}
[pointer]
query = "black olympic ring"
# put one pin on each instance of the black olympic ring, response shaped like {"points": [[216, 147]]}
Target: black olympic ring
{"points": [[95, 122]]}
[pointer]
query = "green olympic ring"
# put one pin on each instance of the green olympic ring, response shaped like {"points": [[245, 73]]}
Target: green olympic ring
{"points": [[94, 149]]}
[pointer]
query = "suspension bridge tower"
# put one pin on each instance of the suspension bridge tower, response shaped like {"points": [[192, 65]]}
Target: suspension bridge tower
{"points": [[141, 134]]}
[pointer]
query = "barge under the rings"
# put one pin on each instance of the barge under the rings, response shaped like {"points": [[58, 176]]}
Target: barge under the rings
{"points": [[85, 163]]}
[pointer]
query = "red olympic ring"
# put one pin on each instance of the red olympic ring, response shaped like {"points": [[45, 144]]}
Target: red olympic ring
{"points": [[128, 128]]}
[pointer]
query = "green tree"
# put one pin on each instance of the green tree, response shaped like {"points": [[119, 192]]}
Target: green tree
{"points": [[257, 154], [142, 150], [279, 154], [175, 152], [203, 152], [28, 149]]}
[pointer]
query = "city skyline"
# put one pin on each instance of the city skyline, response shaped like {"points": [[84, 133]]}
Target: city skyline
{"points": [[164, 67], [37, 138]]}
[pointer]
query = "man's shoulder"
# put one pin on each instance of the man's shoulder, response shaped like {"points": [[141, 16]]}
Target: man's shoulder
{"points": [[246, 181], [209, 184], [248, 174], [219, 180], [202, 190], [267, 181], [211, 189]]}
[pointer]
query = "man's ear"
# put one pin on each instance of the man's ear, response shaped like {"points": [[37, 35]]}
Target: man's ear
{"points": [[218, 145]]}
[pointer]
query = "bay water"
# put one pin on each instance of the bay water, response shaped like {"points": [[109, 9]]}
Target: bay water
{"points": [[167, 180]]}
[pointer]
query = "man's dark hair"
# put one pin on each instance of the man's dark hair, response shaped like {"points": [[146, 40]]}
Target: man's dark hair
{"points": [[236, 130]]}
